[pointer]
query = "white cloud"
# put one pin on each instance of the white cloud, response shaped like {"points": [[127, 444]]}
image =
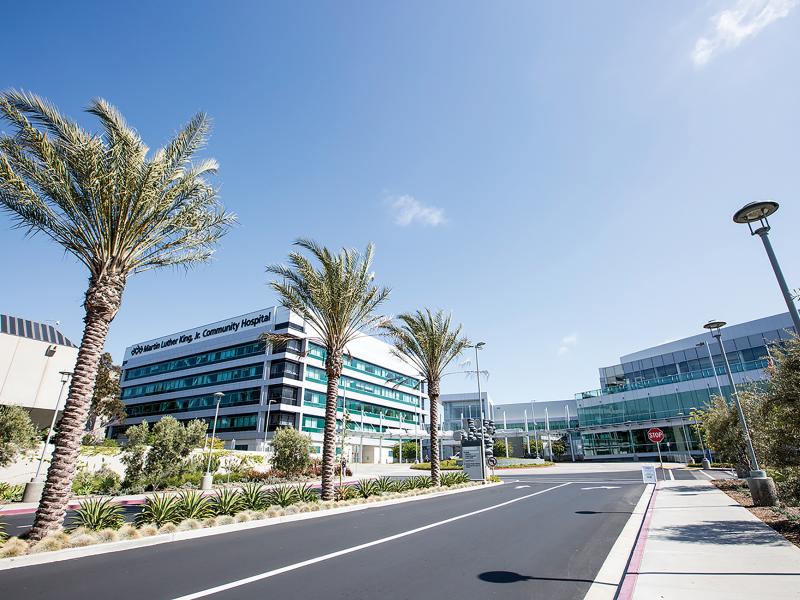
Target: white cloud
{"points": [[732, 26], [567, 342], [407, 210]]}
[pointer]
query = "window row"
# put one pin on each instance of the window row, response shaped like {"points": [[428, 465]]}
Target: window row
{"points": [[285, 368], [319, 375], [312, 398], [204, 402], [317, 425], [196, 360], [195, 381], [317, 351]]}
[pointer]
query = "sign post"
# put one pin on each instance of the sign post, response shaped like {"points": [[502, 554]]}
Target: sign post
{"points": [[656, 436]]}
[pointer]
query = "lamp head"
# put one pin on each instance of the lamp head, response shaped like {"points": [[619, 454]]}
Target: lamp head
{"points": [[714, 326], [218, 395], [756, 213]]}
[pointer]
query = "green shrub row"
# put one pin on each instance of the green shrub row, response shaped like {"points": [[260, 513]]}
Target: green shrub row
{"points": [[10, 492]]}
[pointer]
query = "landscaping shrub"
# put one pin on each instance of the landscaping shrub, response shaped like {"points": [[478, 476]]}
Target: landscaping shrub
{"points": [[10, 492], [385, 485], [96, 514], [13, 547], [305, 493], [170, 443], [158, 510], [194, 505], [421, 482], [227, 502], [103, 481], [282, 495], [366, 488], [445, 465], [292, 451], [345, 492], [449, 479], [253, 496]]}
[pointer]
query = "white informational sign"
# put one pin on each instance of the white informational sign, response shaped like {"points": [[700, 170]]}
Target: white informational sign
{"points": [[649, 474], [473, 465]]}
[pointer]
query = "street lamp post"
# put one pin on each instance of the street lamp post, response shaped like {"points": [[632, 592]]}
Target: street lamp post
{"points": [[505, 427], [762, 488], [630, 440], [477, 347], [757, 213], [33, 489], [206, 483], [266, 422], [569, 437], [713, 367], [535, 435]]}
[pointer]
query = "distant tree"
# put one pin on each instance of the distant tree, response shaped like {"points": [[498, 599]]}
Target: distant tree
{"points": [[17, 433], [107, 406], [409, 451], [499, 448]]}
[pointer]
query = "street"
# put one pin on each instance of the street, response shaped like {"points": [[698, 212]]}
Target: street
{"points": [[536, 536]]}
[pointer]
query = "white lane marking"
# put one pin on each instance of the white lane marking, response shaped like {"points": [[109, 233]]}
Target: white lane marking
{"points": [[604, 586], [706, 474], [671, 475], [602, 487], [324, 557], [519, 487]]}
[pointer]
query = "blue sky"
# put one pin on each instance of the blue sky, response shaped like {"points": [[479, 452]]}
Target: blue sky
{"points": [[560, 175]]}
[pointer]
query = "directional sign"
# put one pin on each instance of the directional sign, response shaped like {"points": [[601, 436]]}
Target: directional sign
{"points": [[655, 435], [649, 474]]}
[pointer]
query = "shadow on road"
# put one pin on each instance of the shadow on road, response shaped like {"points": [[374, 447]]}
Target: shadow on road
{"points": [[512, 577]]}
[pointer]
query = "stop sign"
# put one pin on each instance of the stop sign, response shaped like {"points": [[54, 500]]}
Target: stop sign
{"points": [[655, 435]]}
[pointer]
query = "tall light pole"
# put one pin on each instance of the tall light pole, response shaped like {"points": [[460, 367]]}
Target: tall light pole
{"points": [[505, 427], [477, 347], [762, 488], [206, 483], [33, 489], [569, 437], [535, 436], [266, 421], [756, 215]]}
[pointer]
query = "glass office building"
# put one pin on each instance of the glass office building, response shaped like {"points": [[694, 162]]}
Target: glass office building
{"points": [[661, 386], [266, 387]]}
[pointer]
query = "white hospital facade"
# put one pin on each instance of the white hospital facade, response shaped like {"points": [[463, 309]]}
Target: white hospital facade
{"points": [[266, 387]]}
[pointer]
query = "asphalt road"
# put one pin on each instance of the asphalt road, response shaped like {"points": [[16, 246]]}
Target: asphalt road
{"points": [[537, 536]]}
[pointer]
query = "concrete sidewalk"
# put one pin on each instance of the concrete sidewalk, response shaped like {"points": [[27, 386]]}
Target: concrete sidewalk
{"points": [[696, 542]]}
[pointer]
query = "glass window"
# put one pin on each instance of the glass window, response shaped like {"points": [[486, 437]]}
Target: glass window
{"points": [[196, 360], [195, 381]]}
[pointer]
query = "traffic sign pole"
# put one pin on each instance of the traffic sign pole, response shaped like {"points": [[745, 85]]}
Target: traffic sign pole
{"points": [[663, 474], [656, 436]]}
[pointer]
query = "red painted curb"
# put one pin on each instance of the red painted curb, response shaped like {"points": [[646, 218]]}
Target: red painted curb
{"points": [[628, 586]]}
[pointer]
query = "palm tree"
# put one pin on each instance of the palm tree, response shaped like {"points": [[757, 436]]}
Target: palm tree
{"points": [[116, 209], [339, 300], [429, 342]]}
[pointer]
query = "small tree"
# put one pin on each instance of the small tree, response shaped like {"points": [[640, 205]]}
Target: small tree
{"points": [[537, 448], [409, 451], [107, 406], [499, 448], [17, 433], [292, 451], [559, 447]]}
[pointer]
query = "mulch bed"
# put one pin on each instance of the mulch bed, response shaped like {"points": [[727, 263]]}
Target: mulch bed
{"points": [[784, 519]]}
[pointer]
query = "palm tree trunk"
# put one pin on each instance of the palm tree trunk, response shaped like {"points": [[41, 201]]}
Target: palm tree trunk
{"points": [[103, 299], [433, 398], [333, 367]]}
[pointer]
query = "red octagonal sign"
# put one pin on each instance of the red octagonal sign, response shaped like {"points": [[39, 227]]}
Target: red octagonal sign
{"points": [[655, 435]]}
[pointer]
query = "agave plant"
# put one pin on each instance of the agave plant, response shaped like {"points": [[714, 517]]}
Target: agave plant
{"points": [[253, 496], [98, 513], [367, 488], [385, 484], [345, 492], [306, 493], [194, 505], [421, 482], [227, 502], [449, 479], [159, 510], [282, 495]]}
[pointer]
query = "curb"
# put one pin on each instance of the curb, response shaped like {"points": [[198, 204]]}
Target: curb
{"points": [[611, 575], [100, 548]]}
